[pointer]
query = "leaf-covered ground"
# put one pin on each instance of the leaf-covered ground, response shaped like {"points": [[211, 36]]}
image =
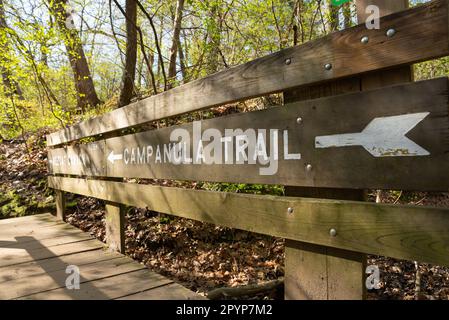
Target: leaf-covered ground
{"points": [[200, 256], [23, 183]]}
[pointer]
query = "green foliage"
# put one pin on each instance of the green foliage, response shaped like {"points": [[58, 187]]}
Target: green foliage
{"points": [[215, 35], [165, 219], [31, 117], [432, 69], [244, 188], [12, 205]]}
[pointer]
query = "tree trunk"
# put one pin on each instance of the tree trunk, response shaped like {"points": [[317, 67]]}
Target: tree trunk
{"points": [[160, 62], [347, 15], [182, 61], [131, 54], [11, 86], [86, 94], [214, 39], [175, 40], [148, 77], [333, 16], [140, 75]]}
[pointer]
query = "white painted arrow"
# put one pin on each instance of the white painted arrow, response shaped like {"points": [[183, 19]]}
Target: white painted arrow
{"points": [[382, 137], [112, 157]]}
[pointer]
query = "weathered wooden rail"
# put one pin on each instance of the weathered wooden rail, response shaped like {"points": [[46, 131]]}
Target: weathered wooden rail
{"points": [[346, 140]]}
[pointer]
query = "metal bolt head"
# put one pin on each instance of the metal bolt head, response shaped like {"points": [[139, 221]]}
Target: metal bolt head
{"points": [[290, 210], [299, 120], [288, 61], [309, 167], [391, 32], [332, 232], [328, 66], [364, 40]]}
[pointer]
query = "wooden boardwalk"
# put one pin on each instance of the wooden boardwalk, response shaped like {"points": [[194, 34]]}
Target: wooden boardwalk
{"points": [[36, 250]]}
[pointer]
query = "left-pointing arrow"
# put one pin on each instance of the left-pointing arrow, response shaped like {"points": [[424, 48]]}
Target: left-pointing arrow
{"points": [[112, 157], [382, 137]]}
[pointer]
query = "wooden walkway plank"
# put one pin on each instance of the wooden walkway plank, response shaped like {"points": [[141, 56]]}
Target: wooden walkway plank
{"points": [[172, 291], [10, 240], [23, 287], [27, 219], [16, 256], [108, 288], [35, 254], [43, 223], [52, 239], [27, 229], [33, 268], [33, 228]]}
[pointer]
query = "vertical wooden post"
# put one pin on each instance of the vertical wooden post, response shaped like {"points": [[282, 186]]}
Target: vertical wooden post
{"points": [[394, 75], [60, 204], [318, 272], [314, 272], [115, 227], [386, 7]]}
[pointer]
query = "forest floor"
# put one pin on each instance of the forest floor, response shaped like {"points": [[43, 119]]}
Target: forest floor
{"points": [[198, 255]]}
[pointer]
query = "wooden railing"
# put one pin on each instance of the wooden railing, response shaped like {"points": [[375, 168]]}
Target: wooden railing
{"points": [[394, 137]]}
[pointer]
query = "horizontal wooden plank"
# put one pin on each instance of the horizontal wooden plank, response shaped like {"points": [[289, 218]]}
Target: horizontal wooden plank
{"points": [[108, 288], [22, 287], [35, 252], [403, 232], [8, 237], [389, 138], [36, 231], [421, 34], [36, 218], [87, 159], [16, 241], [172, 291], [29, 244], [20, 255], [35, 268]]}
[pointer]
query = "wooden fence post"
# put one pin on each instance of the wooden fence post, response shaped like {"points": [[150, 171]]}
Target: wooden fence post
{"points": [[60, 204], [318, 272], [115, 227], [314, 272], [387, 77]]}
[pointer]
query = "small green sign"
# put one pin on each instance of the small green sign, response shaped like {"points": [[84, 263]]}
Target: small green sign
{"points": [[339, 2]]}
